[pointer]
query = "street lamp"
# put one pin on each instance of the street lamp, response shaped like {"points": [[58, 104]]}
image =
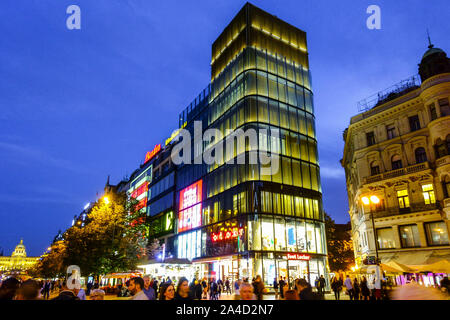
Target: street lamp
{"points": [[106, 200], [367, 201]]}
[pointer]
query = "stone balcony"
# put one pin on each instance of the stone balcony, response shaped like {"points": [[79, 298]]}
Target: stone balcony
{"points": [[397, 173], [443, 161], [414, 207]]}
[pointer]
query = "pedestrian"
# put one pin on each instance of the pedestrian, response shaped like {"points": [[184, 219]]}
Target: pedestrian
{"points": [[356, 289], [349, 287], [304, 290], [89, 288], [81, 293], [97, 294], [444, 285], [9, 288], [46, 290], [322, 283], [166, 291], [282, 283], [336, 286], [183, 292], [227, 286], [148, 290], [365, 292], [198, 290], [258, 287], [155, 286], [291, 295], [66, 293], [213, 290], [316, 283], [237, 284], [246, 292], [28, 290], [135, 286], [275, 288]]}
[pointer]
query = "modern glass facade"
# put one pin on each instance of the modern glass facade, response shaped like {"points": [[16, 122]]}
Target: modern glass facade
{"points": [[235, 220]]}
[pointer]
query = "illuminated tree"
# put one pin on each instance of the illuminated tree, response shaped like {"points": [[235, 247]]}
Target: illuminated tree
{"points": [[339, 245]]}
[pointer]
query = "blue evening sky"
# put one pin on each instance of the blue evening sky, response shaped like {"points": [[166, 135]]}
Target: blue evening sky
{"points": [[78, 105]]}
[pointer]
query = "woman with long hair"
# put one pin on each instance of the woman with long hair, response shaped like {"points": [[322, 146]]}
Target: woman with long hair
{"points": [[166, 291], [183, 291]]}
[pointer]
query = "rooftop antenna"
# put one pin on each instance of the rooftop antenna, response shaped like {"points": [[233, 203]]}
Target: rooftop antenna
{"points": [[429, 40]]}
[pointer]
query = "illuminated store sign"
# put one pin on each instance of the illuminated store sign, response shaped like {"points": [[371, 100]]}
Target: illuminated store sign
{"points": [[227, 234], [298, 256], [168, 221], [152, 153], [190, 215], [140, 190]]}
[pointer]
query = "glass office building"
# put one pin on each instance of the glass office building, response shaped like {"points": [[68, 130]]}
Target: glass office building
{"points": [[233, 220]]}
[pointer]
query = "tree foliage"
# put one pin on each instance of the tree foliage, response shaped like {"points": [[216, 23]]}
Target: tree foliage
{"points": [[111, 239], [339, 245]]}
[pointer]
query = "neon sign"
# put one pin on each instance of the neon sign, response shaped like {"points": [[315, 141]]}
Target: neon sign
{"points": [[298, 256], [140, 190], [227, 234], [152, 153], [190, 207]]}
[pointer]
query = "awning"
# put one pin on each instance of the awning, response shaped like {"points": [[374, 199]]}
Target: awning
{"points": [[422, 261], [166, 261]]}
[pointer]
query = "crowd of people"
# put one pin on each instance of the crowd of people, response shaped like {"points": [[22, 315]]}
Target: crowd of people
{"points": [[148, 288]]}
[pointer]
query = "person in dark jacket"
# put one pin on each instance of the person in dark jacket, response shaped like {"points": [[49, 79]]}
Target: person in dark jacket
{"points": [[336, 286], [365, 292], [183, 292], [356, 289], [304, 290], [281, 283], [8, 288], [198, 289], [258, 287], [66, 294]]}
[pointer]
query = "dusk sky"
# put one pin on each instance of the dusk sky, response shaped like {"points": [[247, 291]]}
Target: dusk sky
{"points": [[79, 105]]}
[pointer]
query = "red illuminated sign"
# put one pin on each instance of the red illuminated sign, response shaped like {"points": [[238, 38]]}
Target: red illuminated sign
{"points": [[190, 215], [227, 234], [152, 153], [298, 256], [143, 188]]}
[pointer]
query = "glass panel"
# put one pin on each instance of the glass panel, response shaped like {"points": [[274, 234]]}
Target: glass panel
{"points": [[291, 236], [274, 113], [306, 176], [254, 234], [263, 112], [409, 236], [296, 175], [437, 233], [319, 248], [293, 121], [284, 120], [262, 83], [273, 90], [250, 78], [280, 236], [282, 90], [287, 178], [310, 237], [301, 236], [267, 234], [385, 238]]}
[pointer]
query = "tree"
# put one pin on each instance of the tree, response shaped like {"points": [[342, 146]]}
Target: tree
{"points": [[339, 245], [51, 263], [107, 242]]}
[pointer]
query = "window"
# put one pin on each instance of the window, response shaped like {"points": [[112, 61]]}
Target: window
{"points": [[433, 113], [445, 108], [414, 123], [446, 186], [437, 233], [390, 132], [396, 162], [374, 168], [428, 194], [409, 236], [385, 238], [370, 136], [403, 199], [442, 147], [421, 155]]}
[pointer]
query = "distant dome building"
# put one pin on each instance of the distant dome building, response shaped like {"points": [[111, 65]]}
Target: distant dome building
{"points": [[18, 261]]}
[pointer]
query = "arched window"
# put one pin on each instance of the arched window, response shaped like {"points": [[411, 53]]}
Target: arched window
{"points": [[374, 168], [396, 162], [421, 155], [442, 148]]}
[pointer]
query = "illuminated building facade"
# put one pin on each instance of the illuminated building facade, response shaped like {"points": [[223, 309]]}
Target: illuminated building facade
{"points": [[18, 261], [232, 220], [397, 165]]}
